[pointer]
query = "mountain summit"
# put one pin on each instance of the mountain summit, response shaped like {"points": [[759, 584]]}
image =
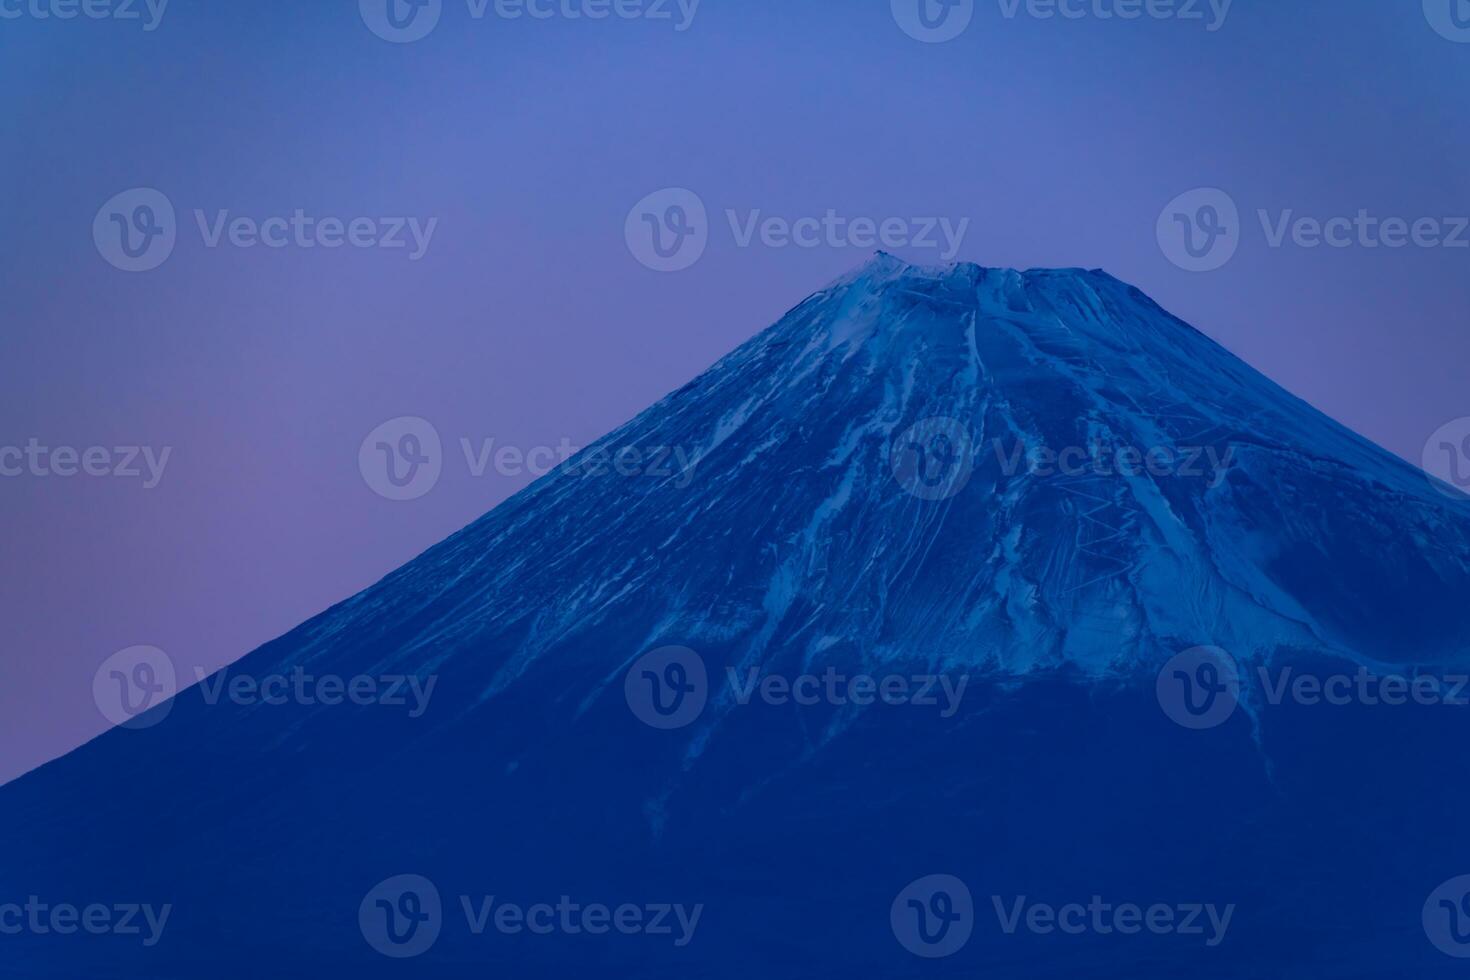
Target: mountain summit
{"points": [[892, 590]]}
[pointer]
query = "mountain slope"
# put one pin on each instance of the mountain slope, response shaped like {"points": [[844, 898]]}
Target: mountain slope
{"points": [[863, 499]]}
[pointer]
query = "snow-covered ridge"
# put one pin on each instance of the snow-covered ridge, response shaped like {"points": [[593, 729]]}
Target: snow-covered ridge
{"points": [[794, 542]]}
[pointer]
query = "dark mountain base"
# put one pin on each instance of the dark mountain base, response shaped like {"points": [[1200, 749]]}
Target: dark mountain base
{"points": [[1327, 835]]}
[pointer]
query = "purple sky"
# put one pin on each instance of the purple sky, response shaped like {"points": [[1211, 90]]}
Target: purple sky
{"points": [[528, 319]]}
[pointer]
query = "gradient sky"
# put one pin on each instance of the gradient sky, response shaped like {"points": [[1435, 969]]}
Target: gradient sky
{"points": [[528, 319]]}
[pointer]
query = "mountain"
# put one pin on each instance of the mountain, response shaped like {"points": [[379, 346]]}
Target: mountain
{"points": [[964, 622]]}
